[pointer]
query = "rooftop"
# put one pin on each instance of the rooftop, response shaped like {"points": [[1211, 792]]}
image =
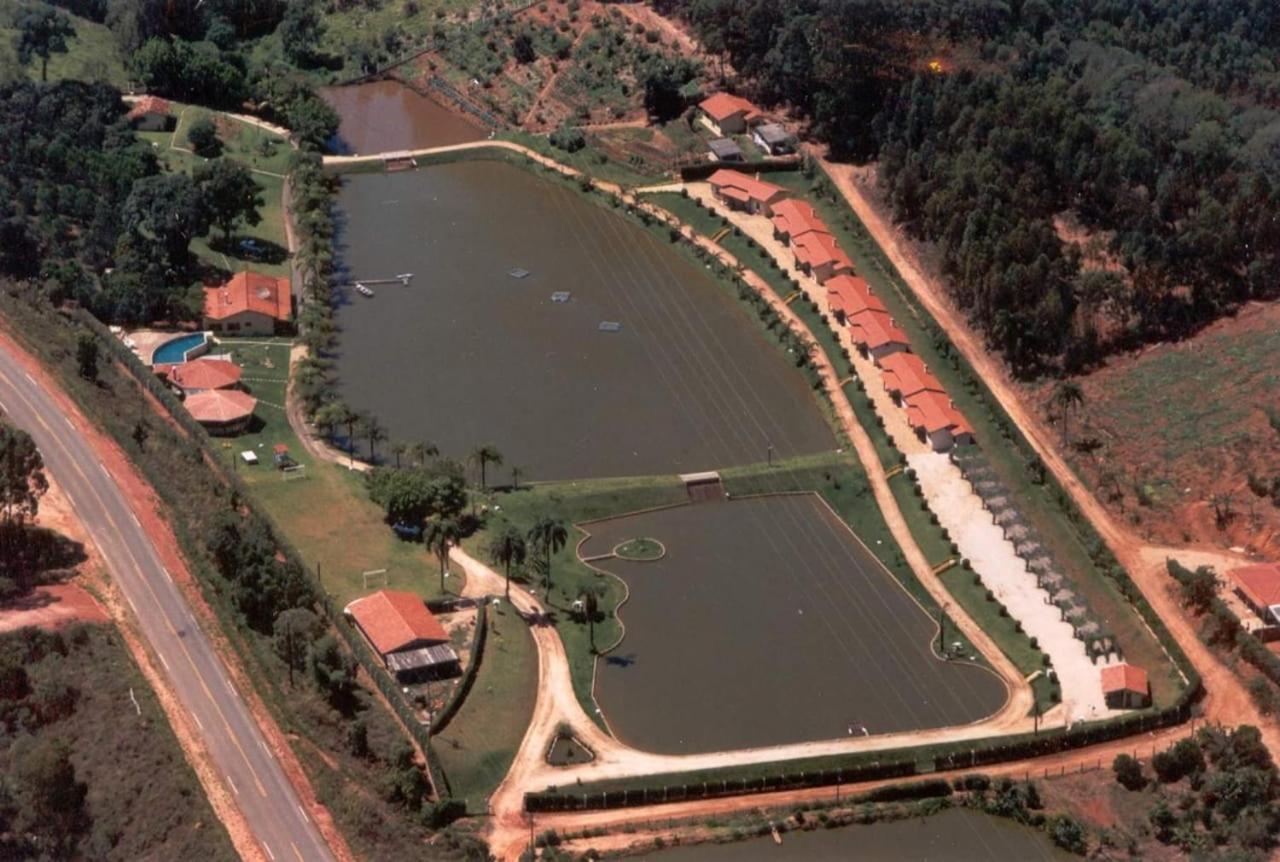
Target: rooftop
{"points": [[722, 106], [854, 294], [726, 149], [148, 105], [220, 406], [796, 218], [1260, 583], [249, 291], [773, 133], [1124, 677], [817, 248], [906, 374], [738, 185], [201, 373], [394, 620], [933, 411], [874, 329]]}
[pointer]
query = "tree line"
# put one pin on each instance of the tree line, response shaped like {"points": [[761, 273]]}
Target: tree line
{"points": [[1151, 128]]}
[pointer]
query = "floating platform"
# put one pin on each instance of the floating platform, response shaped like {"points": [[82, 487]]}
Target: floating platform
{"points": [[610, 326], [560, 296], [363, 290], [517, 272]]}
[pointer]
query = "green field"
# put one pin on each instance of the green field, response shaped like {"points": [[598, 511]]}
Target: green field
{"points": [[92, 54]]}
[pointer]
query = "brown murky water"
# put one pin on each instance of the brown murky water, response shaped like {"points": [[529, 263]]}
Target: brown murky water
{"points": [[765, 623], [955, 835], [386, 115], [468, 354]]}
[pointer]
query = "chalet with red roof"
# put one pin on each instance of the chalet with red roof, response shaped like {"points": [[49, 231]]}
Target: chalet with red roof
{"points": [[1124, 686], [222, 412], [1259, 587], [906, 375], [876, 334], [727, 114], [792, 218], [249, 304], [201, 374], [741, 192], [849, 295], [407, 637], [151, 114], [817, 254], [936, 420]]}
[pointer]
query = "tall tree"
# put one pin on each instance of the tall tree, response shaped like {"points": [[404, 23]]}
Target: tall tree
{"points": [[439, 535], [548, 536], [230, 195], [591, 607], [42, 30], [484, 455], [87, 356], [22, 479], [508, 549], [1067, 396], [170, 209]]}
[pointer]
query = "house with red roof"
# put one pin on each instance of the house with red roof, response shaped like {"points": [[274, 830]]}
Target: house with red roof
{"points": [[793, 218], [849, 295], [727, 114], [905, 375], [818, 254], [876, 334], [201, 374], [151, 114], [936, 420], [1125, 686], [407, 637], [741, 192], [222, 412], [249, 304], [1259, 586]]}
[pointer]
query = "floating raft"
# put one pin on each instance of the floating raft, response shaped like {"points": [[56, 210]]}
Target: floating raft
{"points": [[610, 326], [362, 290], [560, 296], [517, 272]]}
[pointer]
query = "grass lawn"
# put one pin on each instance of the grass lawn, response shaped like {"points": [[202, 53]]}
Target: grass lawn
{"points": [[477, 747], [266, 154], [91, 55], [308, 510], [1037, 502], [589, 160]]}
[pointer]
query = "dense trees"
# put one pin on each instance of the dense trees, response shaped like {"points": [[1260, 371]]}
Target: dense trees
{"points": [[22, 479], [413, 495], [1094, 173], [230, 195], [42, 31]]}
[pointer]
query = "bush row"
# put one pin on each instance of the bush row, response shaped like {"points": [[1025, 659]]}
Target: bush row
{"points": [[469, 677]]}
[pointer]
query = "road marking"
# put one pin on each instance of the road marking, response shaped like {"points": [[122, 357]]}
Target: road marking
{"points": [[230, 688], [267, 847], [69, 423], [199, 723], [135, 519], [234, 789], [29, 377], [132, 605], [264, 746], [303, 812], [296, 851], [3, 408], [262, 791], [164, 661], [104, 470]]}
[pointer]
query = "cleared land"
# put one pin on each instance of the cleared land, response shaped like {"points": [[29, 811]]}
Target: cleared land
{"points": [[768, 610], [686, 384]]}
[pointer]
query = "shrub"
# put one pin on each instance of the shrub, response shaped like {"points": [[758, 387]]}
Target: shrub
{"points": [[1067, 834], [203, 137], [568, 138], [1128, 772]]}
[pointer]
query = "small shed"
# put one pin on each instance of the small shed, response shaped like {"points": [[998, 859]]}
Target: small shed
{"points": [[773, 139], [1124, 686], [726, 150]]}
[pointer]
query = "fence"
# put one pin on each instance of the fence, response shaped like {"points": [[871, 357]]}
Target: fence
{"points": [[451, 708]]}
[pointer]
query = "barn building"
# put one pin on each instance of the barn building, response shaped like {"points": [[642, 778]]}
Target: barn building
{"points": [[407, 637]]}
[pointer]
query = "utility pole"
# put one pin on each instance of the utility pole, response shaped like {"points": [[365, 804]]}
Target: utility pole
{"points": [[770, 454]]}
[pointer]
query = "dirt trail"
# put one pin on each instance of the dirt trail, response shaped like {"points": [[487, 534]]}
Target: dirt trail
{"points": [[1227, 700]]}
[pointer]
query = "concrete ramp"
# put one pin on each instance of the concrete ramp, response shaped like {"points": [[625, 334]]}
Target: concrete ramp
{"points": [[703, 487]]}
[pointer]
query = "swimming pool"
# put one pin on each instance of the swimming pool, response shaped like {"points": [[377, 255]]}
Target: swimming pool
{"points": [[180, 349]]}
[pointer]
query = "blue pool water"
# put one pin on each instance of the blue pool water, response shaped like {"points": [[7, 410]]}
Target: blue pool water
{"points": [[175, 351]]}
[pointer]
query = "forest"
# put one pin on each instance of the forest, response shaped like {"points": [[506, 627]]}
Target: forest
{"points": [[1094, 174]]}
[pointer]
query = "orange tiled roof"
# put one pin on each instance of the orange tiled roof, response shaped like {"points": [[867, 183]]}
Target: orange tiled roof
{"points": [[201, 374], [796, 218], [395, 620], [853, 294], [1124, 677], [736, 184], [722, 106], [220, 406], [1260, 583], [249, 291], [874, 329], [819, 249], [933, 411], [906, 374], [148, 105]]}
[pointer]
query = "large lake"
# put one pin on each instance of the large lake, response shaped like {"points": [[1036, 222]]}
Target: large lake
{"points": [[468, 354]]}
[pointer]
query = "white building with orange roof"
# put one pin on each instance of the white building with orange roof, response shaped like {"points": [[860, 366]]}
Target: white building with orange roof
{"points": [[249, 304], [727, 114], [742, 192]]}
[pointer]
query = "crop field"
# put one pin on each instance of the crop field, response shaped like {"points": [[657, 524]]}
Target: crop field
{"points": [[685, 381], [769, 611]]}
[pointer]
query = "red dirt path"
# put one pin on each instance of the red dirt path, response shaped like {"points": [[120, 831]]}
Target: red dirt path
{"points": [[51, 607]]}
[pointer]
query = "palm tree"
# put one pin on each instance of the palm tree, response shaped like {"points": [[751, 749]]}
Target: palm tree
{"points": [[351, 419], [439, 535], [516, 473], [420, 452], [1067, 395], [508, 548], [483, 456], [547, 536], [375, 433], [329, 417], [591, 607], [398, 448]]}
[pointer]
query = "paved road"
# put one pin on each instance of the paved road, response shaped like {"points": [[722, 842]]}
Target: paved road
{"points": [[236, 746]]}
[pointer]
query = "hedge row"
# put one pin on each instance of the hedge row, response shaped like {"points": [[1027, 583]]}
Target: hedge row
{"points": [[468, 679]]}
